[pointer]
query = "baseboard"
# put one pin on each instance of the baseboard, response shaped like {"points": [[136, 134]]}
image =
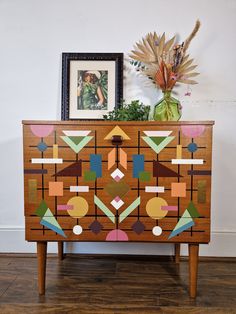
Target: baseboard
{"points": [[12, 240]]}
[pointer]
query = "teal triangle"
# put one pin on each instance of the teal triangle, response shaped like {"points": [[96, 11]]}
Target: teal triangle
{"points": [[76, 139], [41, 210], [157, 140], [186, 218], [52, 227]]}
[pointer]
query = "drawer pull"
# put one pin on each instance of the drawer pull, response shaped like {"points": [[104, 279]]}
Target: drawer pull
{"points": [[116, 140]]}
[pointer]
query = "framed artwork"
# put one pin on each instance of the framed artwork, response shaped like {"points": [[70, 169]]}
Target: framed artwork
{"points": [[92, 84]]}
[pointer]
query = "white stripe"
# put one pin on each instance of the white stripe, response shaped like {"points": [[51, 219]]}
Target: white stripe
{"points": [[47, 160], [158, 133], [81, 188], [187, 161], [76, 133], [154, 189]]}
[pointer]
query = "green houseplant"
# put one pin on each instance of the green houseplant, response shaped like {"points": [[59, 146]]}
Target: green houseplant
{"points": [[133, 111]]}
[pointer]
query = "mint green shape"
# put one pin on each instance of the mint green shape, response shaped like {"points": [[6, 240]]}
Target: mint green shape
{"points": [[49, 217], [89, 175], [144, 176], [41, 210], [158, 148], [129, 209], [103, 207], [184, 220], [78, 147]]}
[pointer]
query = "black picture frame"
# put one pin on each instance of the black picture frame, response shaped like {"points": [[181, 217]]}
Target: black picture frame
{"points": [[75, 64]]}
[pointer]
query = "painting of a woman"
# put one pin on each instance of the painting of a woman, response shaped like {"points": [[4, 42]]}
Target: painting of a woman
{"points": [[92, 90]]}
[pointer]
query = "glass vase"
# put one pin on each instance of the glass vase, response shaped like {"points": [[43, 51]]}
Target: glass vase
{"points": [[167, 109]]}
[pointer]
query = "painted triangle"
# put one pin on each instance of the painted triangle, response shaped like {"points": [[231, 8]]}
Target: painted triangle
{"points": [[117, 131], [41, 210], [49, 217], [158, 148], [157, 140], [76, 147], [52, 227], [160, 170], [184, 223], [73, 170], [193, 210], [76, 139]]}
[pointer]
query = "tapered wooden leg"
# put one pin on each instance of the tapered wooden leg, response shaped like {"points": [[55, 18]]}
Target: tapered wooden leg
{"points": [[60, 250], [193, 269], [42, 258], [177, 253]]}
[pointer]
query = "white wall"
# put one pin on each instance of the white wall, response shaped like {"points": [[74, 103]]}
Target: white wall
{"points": [[34, 33]]}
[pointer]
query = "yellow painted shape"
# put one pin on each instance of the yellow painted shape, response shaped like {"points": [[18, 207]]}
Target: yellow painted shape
{"points": [[123, 158], [111, 158], [55, 151], [117, 131], [32, 191], [153, 208], [80, 207], [179, 152], [178, 189]]}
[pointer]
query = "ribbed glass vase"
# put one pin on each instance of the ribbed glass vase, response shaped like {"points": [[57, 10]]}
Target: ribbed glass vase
{"points": [[167, 109]]}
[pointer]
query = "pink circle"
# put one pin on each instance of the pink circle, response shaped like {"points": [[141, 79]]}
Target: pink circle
{"points": [[117, 235], [41, 130], [193, 131]]}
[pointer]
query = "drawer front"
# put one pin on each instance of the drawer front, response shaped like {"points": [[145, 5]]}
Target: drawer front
{"points": [[155, 186]]}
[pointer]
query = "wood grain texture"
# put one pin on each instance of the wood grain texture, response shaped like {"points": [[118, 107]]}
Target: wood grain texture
{"points": [[199, 233], [42, 261], [118, 284], [193, 269]]}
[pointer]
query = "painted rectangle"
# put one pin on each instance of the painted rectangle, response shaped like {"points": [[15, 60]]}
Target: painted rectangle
{"points": [[65, 207], [79, 188], [201, 191], [96, 164], [32, 191], [154, 189], [157, 133], [47, 160], [199, 172], [170, 208], [138, 165], [187, 161], [55, 151], [35, 171], [179, 152]]}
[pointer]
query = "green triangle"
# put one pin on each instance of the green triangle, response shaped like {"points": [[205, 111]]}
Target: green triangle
{"points": [[48, 216], [76, 139], [184, 220], [41, 210], [157, 140], [193, 210]]}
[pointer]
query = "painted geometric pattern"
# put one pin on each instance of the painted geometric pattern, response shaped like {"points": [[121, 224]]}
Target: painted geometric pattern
{"points": [[154, 187]]}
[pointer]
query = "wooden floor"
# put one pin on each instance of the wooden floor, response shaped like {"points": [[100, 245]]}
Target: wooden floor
{"points": [[134, 284]]}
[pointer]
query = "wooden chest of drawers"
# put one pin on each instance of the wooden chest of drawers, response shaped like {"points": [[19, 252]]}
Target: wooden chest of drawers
{"points": [[117, 181]]}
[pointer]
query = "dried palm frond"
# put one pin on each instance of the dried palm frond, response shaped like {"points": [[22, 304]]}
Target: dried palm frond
{"points": [[163, 61]]}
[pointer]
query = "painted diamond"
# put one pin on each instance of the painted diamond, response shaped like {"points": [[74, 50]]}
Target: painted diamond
{"points": [[95, 227], [117, 202], [42, 146], [117, 175], [138, 227]]}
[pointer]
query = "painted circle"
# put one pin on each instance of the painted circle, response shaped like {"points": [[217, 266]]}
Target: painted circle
{"points": [[80, 207], [77, 229], [153, 208], [41, 130], [192, 147], [157, 231]]}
